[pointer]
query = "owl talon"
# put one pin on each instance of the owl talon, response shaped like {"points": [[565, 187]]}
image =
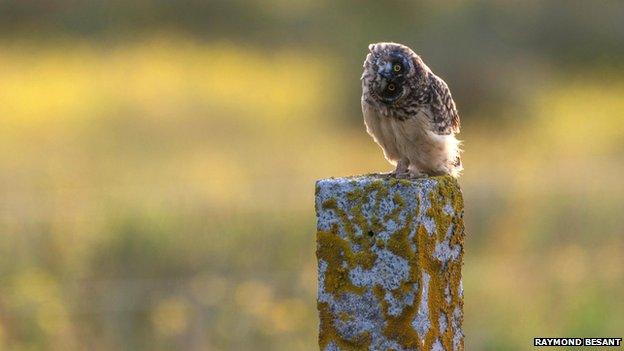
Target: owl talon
{"points": [[402, 169], [401, 175]]}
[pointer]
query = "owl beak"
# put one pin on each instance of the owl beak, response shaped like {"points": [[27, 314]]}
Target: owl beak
{"points": [[386, 71], [386, 76]]}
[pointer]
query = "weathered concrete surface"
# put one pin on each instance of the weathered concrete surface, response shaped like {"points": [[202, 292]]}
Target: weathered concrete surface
{"points": [[389, 255]]}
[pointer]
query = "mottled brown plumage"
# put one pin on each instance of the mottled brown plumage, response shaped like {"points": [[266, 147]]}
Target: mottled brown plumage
{"points": [[409, 112]]}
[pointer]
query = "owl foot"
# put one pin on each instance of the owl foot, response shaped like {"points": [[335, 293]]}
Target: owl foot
{"points": [[394, 174], [402, 169], [415, 173], [401, 175]]}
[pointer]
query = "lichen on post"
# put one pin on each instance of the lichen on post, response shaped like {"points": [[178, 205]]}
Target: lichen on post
{"points": [[390, 254]]}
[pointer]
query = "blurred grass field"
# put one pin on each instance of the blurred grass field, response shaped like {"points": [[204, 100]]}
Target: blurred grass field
{"points": [[158, 194]]}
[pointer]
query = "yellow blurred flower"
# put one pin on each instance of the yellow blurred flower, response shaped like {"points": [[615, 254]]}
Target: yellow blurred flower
{"points": [[171, 316]]}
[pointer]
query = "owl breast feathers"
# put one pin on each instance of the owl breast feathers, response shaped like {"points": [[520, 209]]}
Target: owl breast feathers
{"points": [[409, 112]]}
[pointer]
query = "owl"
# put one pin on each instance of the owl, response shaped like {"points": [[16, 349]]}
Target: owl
{"points": [[410, 113]]}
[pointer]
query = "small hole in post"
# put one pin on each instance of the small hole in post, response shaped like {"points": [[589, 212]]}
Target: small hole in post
{"points": [[370, 233]]}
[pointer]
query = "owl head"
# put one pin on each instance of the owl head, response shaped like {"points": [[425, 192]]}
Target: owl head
{"points": [[393, 75]]}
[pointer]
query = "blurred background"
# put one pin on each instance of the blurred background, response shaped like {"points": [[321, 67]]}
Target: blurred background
{"points": [[158, 159]]}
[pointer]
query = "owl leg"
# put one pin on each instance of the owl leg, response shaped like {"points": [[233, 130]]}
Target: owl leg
{"points": [[402, 169], [415, 172]]}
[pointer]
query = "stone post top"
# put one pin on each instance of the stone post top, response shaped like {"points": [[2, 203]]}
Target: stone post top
{"points": [[385, 179], [445, 188]]}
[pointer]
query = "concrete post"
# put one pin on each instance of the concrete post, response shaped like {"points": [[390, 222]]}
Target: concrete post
{"points": [[389, 255]]}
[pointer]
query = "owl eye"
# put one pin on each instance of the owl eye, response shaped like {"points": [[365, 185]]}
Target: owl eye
{"points": [[397, 67], [391, 92]]}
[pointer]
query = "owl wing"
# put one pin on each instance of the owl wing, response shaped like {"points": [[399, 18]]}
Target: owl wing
{"points": [[445, 115]]}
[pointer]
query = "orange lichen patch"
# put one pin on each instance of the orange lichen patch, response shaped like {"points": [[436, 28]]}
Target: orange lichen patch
{"points": [[380, 192], [345, 317], [328, 333], [344, 217], [380, 243], [399, 202], [334, 250], [394, 181], [400, 328], [379, 292], [365, 257], [355, 195], [435, 294], [447, 189]]}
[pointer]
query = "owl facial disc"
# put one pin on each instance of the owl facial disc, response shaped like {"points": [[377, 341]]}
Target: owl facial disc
{"points": [[392, 70]]}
